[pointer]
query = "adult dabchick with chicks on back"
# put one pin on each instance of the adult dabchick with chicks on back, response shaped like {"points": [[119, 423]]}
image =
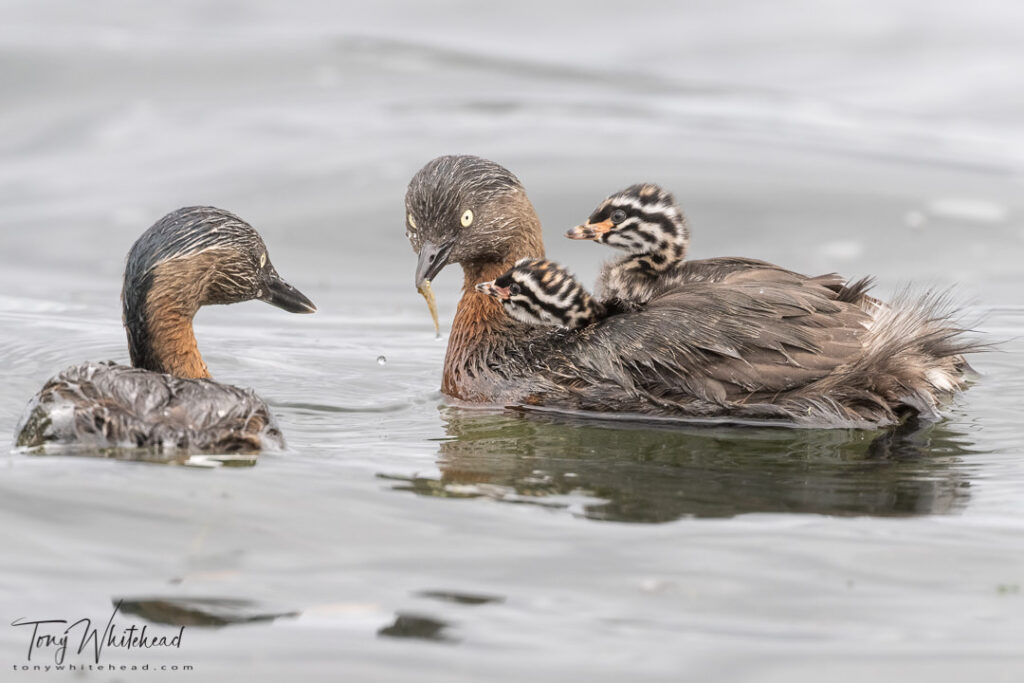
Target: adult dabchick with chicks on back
{"points": [[192, 257], [754, 342]]}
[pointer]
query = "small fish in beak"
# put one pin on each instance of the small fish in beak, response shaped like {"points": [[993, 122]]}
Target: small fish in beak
{"points": [[432, 259], [428, 294]]}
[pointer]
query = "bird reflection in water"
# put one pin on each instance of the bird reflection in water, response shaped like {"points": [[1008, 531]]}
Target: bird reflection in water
{"points": [[657, 473]]}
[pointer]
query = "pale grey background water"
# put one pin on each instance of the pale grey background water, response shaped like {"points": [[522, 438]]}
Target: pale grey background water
{"points": [[877, 138]]}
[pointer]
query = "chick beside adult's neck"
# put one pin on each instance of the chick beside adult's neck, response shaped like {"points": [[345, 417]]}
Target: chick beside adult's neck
{"points": [[544, 293], [480, 325]]}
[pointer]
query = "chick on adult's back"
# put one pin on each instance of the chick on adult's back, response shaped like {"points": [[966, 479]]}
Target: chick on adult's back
{"points": [[192, 257]]}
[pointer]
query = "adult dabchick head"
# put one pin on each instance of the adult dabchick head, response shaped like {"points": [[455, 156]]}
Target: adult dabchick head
{"points": [[193, 257], [464, 209]]}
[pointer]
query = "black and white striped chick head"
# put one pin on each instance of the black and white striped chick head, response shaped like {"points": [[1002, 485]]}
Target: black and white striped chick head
{"points": [[540, 292], [642, 219]]}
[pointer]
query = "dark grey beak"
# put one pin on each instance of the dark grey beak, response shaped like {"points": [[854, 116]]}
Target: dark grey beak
{"points": [[279, 293], [432, 259]]}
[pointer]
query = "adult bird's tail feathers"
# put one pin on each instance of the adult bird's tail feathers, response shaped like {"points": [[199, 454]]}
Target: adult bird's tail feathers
{"points": [[857, 291], [913, 354]]}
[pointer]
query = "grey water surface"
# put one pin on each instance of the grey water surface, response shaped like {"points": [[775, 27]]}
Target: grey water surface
{"points": [[400, 538]]}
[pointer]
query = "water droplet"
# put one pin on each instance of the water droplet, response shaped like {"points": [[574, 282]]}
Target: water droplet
{"points": [[381, 360], [915, 219]]}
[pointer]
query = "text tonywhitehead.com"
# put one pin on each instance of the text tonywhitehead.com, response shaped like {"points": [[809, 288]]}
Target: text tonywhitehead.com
{"points": [[101, 667]]}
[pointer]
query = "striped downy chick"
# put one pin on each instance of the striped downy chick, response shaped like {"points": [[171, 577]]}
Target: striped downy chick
{"points": [[540, 292], [644, 221]]}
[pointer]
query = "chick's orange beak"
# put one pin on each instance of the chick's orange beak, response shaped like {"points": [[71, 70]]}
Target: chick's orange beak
{"points": [[491, 289], [590, 231]]}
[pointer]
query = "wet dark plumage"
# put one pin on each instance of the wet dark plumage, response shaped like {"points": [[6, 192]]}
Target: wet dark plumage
{"points": [[739, 339], [105, 405]]}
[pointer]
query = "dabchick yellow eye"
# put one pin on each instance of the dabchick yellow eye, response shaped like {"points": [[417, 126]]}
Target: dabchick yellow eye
{"points": [[467, 218], [412, 222]]}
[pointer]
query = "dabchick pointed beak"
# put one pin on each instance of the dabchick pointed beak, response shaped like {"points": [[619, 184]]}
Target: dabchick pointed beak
{"points": [[279, 293], [432, 259], [590, 231], [493, 290]]}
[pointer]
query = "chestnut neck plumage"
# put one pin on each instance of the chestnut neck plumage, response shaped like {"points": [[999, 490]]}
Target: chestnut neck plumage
{"points": [[174, 347], [481, 329], [163, 340]]}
